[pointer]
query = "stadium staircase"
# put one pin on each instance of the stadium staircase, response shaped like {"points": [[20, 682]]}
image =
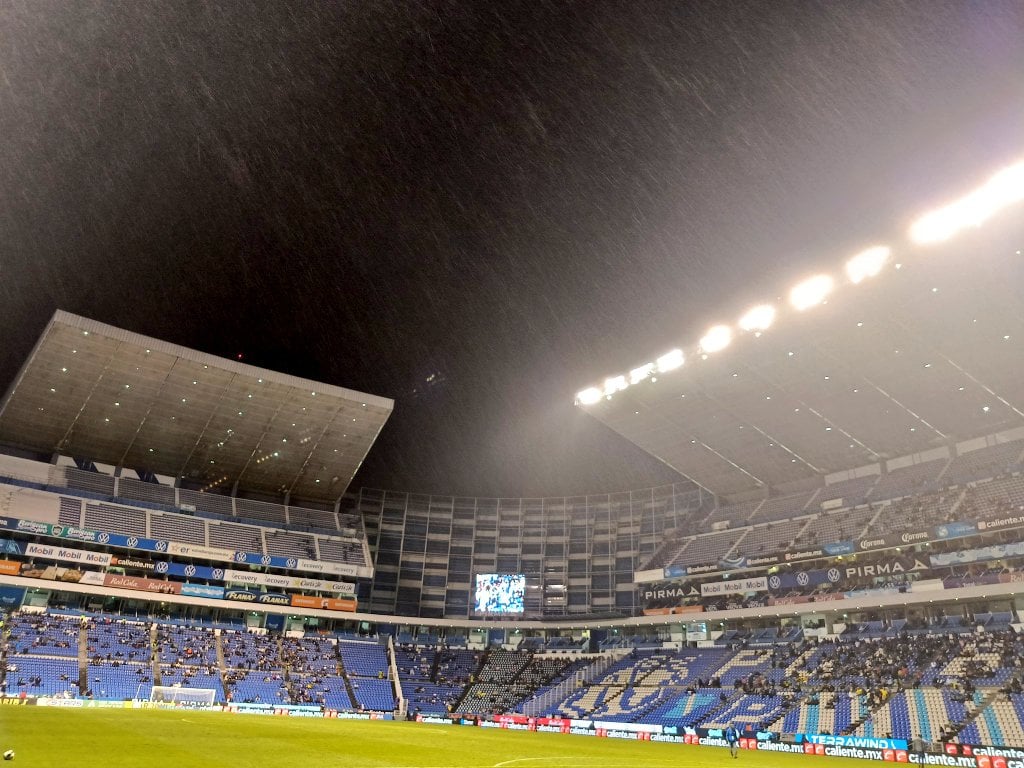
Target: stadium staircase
{"points": [[976, 708], [154, 655], [547, 700], [959, 500], [871, 523], [83, 660], [867, 715], [646, 668], [5, 633], [222, 667], [472, 679], [348, 683]]}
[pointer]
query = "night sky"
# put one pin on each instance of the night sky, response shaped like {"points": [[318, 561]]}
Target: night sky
{"points": [[476, 208]]}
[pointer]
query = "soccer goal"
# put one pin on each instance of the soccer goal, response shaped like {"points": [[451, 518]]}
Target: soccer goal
{"points": [[188, 697]]}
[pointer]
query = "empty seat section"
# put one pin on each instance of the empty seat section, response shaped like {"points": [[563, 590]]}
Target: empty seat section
{"points": [[244, 538], [138, 490], [107, 517], [260, 512], [179, 528]]}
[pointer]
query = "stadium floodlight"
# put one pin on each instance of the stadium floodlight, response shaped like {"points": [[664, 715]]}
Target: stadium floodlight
{"points": [[811, 292], [867, 263], [716, 339], [614, 384], [759, 318], [639, 374], [670, 361], [973, 209], [588, 396]]}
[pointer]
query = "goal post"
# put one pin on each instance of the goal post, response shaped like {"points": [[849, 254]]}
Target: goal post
{"points": [[181, 696]]}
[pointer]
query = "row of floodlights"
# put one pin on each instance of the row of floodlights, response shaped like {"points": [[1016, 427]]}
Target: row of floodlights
{"points": [[974, 209]]}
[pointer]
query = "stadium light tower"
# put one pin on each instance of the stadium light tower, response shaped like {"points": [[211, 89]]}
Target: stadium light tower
{"points": [[670, 361], [811, 292], [639, 374], [716, 339], [867, 263], [588, 396], [973, 209], [758, 318]]}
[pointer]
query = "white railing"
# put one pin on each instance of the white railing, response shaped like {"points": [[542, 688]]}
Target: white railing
{"points": [[549, 698], [395, 682]]}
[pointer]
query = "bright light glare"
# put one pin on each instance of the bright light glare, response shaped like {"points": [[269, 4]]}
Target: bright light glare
{"points": [[759, 318], [867, 263], [974, 209], [717, 338], [811, 292], [670, 361], [588, 396], [639, 374], [614, 384]]}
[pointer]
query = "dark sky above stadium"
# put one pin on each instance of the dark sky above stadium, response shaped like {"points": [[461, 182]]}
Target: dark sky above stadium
{"points": [[476, 208]]}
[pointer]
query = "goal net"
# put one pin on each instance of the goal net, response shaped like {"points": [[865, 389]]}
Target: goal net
{"points": [[173, 694]]}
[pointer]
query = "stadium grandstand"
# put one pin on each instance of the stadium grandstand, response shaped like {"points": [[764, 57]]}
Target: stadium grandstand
{"points": [[845, 557]]}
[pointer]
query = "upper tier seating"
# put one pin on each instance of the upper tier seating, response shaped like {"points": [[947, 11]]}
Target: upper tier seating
{"points": [[782, 507], [736, 514], [708, 548], [138, 490], [852, 492], [908, 481], [107, 517], [991, 461]]}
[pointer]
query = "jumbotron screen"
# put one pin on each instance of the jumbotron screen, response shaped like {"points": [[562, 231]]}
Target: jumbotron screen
{"points": [[499, 593]]}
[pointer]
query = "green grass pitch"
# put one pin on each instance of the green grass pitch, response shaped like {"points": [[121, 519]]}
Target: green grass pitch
{"points": [[105, 738]]}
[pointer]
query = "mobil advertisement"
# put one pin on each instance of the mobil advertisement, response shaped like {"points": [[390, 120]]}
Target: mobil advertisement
{"points": [[734, 586], [51, 552]]}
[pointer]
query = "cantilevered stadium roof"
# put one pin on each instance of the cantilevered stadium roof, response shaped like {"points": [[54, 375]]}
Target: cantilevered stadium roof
{"points": [[928, 352], [101, 393]]}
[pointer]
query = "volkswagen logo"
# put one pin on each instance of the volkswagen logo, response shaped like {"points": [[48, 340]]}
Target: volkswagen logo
{"points": [[161, 546], [802, 579], [833, 575], [190, 570], [161, 567], [943, 531], [292, 562], [132, 541], [265, 560], [103, 538], [239, 557], [774, 582], [218, 573]]}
